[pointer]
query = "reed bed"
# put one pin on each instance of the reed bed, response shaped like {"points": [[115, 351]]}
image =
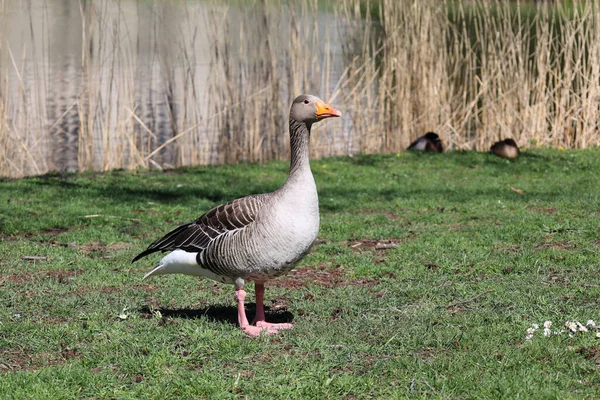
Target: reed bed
{"points": [[173, 83]]}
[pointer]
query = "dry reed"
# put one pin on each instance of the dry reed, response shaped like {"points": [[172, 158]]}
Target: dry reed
{"points": [[177, 83]]}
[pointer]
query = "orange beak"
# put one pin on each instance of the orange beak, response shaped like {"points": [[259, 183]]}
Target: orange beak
{"points": [[326, 111]]}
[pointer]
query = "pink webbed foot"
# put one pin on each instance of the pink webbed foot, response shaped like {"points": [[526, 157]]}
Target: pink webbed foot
{"points": [[255, 330], [260, 325], [270, 328], [259, 318], [265, 328]]}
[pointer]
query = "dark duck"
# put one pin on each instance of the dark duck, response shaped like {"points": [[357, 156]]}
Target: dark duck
{"points": [[428, 142]]}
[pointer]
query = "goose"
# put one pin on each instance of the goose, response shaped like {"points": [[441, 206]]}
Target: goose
{"points": [[428, 142], [258, 237], [506, 148]]}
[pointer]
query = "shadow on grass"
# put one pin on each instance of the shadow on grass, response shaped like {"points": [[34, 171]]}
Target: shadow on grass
{"points": [[218, 313], [127, 187], [449, 196]]}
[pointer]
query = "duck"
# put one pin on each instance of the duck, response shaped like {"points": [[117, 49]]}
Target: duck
{"points": [[428, 142], [258, 237], [506, 148]]}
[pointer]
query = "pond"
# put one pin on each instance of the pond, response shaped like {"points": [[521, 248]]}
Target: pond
{"points": [[105, 84]]}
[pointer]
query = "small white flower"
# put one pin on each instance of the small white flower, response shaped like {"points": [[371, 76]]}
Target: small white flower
{"points": [[547, 332], [572, 326], [580, 327], [530, 331], [547, 324], [123, 315], [535, 326], [598, 335], [529, 336], [157, 314], [591, 323]]}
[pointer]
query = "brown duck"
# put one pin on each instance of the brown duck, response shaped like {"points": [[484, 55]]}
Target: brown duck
{"points": [[506, 148]]}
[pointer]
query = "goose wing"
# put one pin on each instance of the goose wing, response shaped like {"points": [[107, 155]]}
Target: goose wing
{"points": [[196, 236]]}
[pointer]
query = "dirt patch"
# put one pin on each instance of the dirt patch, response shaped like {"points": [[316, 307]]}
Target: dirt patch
{"points": [[426, 353], [55, 320], [14, 238], [374, 244], [118, 289], [561, 244], [558, 277], [54, 243], [61, 276], [110, 290], [591, 353], [146, 288], [550, 210], [97, 247], [68, 353], [55, 231], [320, 276], [90, 247], [509, 250], [22, 359], [28, 235], [390, 215], [17, 279]]}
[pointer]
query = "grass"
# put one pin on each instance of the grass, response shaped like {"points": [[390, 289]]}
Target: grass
{"points": [[485, 248]]}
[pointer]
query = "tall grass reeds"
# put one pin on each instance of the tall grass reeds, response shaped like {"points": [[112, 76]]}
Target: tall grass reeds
{"points": [[172, 83]]}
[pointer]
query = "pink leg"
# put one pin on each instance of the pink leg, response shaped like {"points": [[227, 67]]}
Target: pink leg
{"points": [[240, 296], [259, 318]]}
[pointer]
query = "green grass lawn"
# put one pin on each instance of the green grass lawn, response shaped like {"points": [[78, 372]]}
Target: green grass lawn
{"points": [[427, 273]]}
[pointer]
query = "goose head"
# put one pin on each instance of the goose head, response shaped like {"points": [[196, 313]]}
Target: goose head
{"points": [[310, 109]]}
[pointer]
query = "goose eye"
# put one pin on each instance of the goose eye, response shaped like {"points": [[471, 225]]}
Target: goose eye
{"points": [[305, 101]]}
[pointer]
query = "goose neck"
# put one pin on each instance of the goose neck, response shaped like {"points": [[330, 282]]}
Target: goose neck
{"points": [[299, 146]]}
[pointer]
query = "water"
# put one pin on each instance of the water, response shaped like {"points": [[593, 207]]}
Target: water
{"points": [[103, 84]]}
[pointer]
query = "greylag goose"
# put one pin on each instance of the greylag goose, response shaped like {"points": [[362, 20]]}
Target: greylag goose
{"points": [[506, 148], [428, 142], [257, 237]]}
